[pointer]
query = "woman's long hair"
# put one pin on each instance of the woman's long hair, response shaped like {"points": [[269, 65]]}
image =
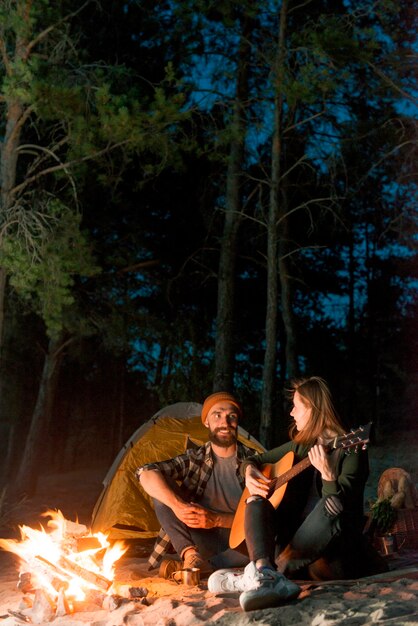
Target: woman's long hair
{"points": [[315, 394]]}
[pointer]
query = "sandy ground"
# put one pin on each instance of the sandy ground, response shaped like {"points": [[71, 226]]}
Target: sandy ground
{"points": [[390, 598], [386, 599]]}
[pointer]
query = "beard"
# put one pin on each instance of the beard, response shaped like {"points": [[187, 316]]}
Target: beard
{"points": [[223, 441]]}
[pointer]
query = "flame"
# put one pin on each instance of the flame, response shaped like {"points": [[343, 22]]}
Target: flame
{"points": [[49, 557]]}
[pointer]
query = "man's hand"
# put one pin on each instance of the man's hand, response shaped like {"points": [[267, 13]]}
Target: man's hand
{"points": [[324, 462], [256, 483], [196, 516]]}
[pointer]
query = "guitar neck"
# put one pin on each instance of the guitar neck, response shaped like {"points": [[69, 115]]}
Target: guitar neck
{"points": [[355, 439], [278, 481]]}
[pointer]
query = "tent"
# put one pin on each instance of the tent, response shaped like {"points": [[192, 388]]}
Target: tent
{"points": [[123, 509]]}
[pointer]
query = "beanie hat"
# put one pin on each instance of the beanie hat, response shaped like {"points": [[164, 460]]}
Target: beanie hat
{"points": [[219, 396]]}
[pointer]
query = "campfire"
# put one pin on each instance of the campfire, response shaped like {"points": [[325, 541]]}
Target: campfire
{"points": [[64, 569]]}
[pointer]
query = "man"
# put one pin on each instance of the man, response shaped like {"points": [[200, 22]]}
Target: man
{"points": [[196, 493]]}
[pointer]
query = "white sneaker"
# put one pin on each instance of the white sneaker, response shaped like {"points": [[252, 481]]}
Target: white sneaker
{"points": [[270, 589], [226, 580]]}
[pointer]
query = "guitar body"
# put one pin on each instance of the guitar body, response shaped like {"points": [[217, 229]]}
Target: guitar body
{"points": [[270, 470], [284, 470]]}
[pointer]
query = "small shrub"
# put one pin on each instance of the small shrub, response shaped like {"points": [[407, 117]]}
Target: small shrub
{"points": [[383, 514]]}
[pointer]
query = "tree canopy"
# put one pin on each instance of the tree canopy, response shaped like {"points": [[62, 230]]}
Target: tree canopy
{"points": [[200, 196]]}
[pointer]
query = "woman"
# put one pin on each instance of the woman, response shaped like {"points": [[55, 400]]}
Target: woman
{"points": [[317, 529]]}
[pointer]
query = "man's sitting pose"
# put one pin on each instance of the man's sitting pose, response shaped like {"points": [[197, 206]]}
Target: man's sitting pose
{"points": [[196, 493]]}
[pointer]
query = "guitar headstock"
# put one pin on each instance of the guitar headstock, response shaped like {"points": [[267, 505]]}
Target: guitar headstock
{"points": [[356, 438]]}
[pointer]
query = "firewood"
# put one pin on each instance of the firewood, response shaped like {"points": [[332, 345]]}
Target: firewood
{"points": [[95, 596], [25, 585], [66, 568], [53, 567], [59, 584], [87, 543], [25, 603], [74, 529], [43, 608], [20, 616], [63, 608], [96, 579]]}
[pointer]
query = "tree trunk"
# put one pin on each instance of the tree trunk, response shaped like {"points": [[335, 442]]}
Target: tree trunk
{"points": [[32, 453], [15, 115], [8, 163], [351, 330], [269, 370], [225, 318], [291, 361]]}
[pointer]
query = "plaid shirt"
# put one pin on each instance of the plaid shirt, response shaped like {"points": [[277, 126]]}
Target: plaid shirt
{"points": [[193, 469]]}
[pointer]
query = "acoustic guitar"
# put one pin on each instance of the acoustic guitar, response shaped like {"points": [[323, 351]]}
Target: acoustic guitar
{"points": [[284, 470]]}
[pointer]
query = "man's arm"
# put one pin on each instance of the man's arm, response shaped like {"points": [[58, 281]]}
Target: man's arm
{"points": [[191, 514], [154, 483]]}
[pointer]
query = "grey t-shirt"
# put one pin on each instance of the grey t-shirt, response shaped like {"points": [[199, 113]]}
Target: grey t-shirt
{"points": [[223, 490]]}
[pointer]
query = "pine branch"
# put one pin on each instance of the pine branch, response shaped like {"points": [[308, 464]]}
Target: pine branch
{"points": [[390, 82], [46, 31], [64, 166]]}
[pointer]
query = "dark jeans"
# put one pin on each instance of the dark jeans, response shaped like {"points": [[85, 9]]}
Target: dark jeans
{"points": [[310, 541], [212, 543]]}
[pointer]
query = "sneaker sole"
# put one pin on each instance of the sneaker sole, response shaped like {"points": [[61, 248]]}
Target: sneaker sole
{"points": [[263, 601]]}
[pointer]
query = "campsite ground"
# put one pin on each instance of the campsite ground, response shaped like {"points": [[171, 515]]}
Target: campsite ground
{"points": [[388, 599]]}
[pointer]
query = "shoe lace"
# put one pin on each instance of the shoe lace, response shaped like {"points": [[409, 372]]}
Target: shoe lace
{"points": [[266, 577], [194, 560]]}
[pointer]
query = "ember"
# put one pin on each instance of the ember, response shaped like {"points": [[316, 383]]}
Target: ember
{"points": [[62, 567]]}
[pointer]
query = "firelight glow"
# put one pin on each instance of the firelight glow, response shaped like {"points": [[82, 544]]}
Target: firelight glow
{"points": [[48, 556]]}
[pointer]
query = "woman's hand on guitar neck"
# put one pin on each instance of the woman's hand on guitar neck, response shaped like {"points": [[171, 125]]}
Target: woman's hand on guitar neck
{"points": [[256, 483], [324, 462]]}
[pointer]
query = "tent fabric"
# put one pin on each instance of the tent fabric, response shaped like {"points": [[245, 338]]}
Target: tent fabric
{"points": [[124, 510]]}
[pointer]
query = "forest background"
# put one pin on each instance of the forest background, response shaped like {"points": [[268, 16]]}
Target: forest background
{"points": [[202, 195]]}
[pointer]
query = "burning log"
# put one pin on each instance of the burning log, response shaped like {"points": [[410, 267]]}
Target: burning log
{"points": [[59, 584], [25, 583], [43, 608], [53, 567], [96, 597], [73, 529], [63, 607], [65, 568], [96, 579], [25, 603], [68, 564], [87, 543]]}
